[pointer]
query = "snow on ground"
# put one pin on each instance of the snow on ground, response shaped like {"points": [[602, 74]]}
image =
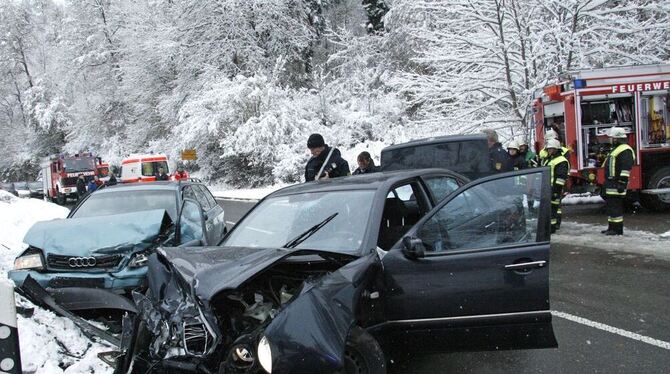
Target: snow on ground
{"points": [[633, 241], [584, 198], [49, 344]]}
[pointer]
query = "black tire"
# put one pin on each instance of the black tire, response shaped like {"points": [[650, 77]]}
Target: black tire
{"points": [[60, 198], [363, 355], [660, 179]]}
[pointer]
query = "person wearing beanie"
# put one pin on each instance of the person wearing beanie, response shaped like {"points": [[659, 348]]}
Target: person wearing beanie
{"points": [[326, 162]]}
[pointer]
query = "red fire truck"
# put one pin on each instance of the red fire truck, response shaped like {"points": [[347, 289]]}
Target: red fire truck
{"points": [[584, 104], [60, 173]]}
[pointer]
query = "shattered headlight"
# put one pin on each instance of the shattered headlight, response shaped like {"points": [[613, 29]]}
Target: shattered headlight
{"points": [[265, 354], [31, 261]]}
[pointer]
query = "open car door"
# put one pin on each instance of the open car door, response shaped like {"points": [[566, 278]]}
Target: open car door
{"points": [[191, 230], [474, 272]]}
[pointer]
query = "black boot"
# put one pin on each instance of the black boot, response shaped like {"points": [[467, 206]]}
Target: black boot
{"points": [[617, 229], [609, 228]]}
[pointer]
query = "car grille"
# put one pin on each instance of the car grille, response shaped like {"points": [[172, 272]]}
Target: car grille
{"points": [[83, 262], [196, 339]]}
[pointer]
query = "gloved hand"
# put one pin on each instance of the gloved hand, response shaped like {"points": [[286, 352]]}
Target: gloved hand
{"points": [[621, 187]]}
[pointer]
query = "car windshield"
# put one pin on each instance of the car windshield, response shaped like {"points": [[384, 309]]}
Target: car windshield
{"points": [[277, 220], [79, 164], [109, 203]]}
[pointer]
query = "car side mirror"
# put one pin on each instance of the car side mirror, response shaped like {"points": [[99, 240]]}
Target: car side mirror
{"points": [[413, 248]]}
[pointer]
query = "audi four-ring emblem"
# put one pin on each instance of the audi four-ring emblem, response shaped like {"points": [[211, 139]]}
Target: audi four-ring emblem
{"points": [[81, 262]]}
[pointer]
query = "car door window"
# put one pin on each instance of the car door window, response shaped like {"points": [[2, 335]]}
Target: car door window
{"points": [[191, 222], [201, 198], [441, 186], [494, 213], [208, 195], [402, 210], [188, 193]]}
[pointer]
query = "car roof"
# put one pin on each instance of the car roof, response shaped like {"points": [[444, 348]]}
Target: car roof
{"points": [[372, 181], [436, 140], [149, 186]]}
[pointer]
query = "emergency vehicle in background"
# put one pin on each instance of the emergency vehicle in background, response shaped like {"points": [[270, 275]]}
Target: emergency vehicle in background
{"points": [[143, 168], [583, 105], [103, 171], [60, 172]]}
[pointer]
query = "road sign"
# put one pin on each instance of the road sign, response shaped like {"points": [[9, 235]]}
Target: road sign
{"points": [[188, 154]]}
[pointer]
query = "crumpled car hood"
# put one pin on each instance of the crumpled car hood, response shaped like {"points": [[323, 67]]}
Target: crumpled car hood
{"points": [[212, 269], [118, 233]]}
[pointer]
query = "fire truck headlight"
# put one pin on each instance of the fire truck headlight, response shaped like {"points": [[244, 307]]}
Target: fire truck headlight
{"points": [[32, 261], [138, 260]]}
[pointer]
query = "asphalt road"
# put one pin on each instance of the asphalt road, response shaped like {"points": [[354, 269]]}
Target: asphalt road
{"points": [[612, 310]]}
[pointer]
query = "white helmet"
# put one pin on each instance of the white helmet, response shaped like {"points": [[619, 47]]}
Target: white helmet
{"points": [[522, 141], [553, 143], [617, 133], [550, 134], [513, 145]]}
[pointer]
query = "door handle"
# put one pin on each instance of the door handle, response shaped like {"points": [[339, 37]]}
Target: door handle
{"points": [[526, 265]]}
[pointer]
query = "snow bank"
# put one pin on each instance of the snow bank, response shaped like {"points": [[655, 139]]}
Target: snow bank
{"points": [[49, 344], [633, 241], [584, 198]]}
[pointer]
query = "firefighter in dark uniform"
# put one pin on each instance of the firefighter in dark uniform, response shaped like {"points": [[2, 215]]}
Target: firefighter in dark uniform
{"points": [[500, 161], [325, 160], [517, 161], [559, 167], [617, 171]]}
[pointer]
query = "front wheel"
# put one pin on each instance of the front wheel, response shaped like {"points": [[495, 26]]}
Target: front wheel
{"points": [[660, 179], [363, 355], [60, 198]]}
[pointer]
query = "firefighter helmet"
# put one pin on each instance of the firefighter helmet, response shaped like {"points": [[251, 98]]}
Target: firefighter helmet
{"points": [[522, 141], [617, 133], [550, 134], [513, 145], [553, 143]]}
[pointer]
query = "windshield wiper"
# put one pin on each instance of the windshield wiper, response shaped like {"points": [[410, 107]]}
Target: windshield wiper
{"points": [[309, 232]]}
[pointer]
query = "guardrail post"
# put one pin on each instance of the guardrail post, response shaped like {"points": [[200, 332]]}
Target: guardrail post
{"points": [[10, 356]]}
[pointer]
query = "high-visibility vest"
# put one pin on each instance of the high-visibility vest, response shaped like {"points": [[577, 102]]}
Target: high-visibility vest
{"points": [[611, 169], [611, 160], [552, 165]]}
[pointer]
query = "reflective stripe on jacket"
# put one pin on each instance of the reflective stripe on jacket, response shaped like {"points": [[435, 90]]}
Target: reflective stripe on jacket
{"points": [[617, 169]]}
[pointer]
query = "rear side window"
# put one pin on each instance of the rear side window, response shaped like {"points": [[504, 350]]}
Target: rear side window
{"points": [[470, 158], [201, 196], [208, 195]]}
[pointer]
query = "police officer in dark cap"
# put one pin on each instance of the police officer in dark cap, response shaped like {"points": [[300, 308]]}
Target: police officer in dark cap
{"points": [[326, 162]]}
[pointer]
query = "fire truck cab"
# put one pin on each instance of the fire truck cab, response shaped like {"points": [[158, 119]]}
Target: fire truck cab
{"points": [[143, 168], [60, 172], [583, 105]]}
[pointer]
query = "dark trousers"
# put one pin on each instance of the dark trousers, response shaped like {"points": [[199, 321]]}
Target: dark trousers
{"points": [[555, 215], [615, 212]]}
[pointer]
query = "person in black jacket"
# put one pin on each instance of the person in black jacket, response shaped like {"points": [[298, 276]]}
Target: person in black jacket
{"points": [[366, 164], [516, 159], [617, 172], [81, 186], [326, 162], [500, 161], [112, 180]]}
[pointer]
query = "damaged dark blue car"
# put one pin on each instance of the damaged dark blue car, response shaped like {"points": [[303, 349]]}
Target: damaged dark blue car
{"points": [[336, 276], [98, 255]]}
